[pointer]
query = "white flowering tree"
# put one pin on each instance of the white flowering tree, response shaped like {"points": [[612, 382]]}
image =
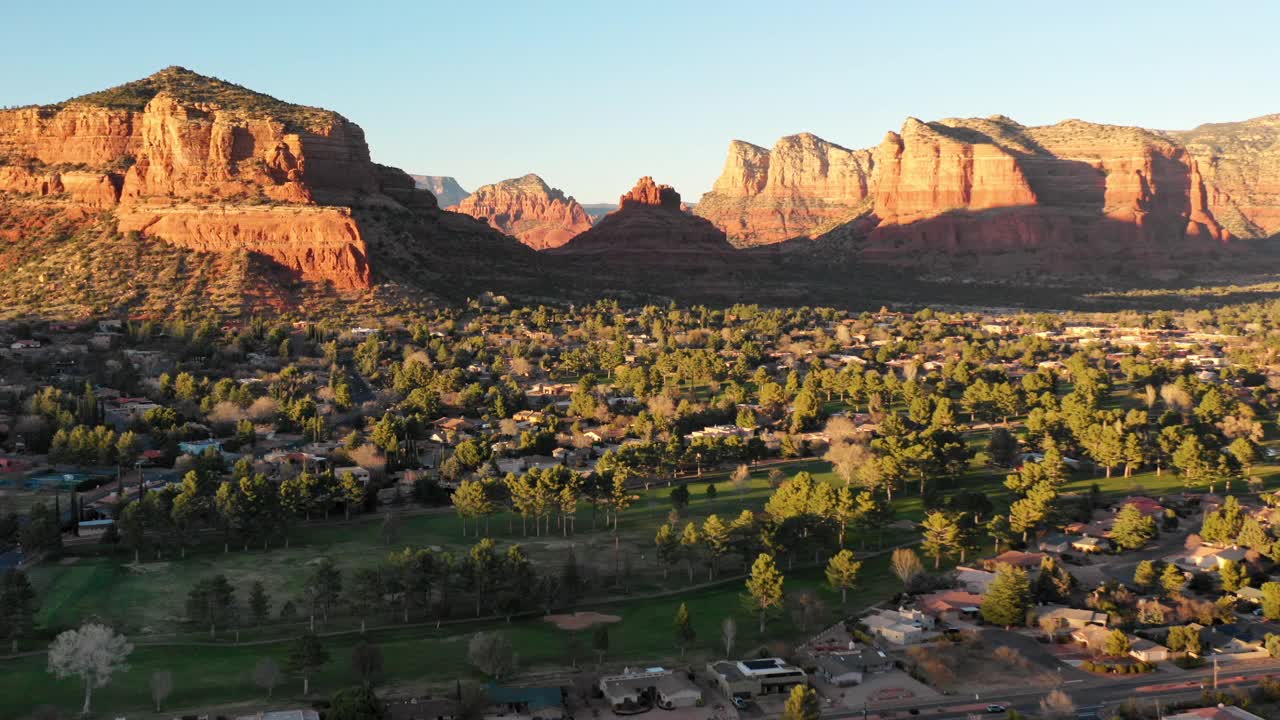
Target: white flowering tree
{"points": [[92, 653]]}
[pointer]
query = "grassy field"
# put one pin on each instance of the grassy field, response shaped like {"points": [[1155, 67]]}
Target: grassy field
{"points": [[209, 674], [149, 598]]}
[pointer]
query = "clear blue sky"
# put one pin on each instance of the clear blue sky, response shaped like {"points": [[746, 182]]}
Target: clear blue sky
{"points": [[593, 95]]}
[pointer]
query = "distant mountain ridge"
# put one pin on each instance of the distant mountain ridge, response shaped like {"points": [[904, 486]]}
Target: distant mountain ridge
{"points": [[222, 199], [446, 189], [538, 215]]}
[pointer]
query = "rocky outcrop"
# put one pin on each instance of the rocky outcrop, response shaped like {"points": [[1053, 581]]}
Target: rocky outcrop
{"points": [[926, 171], [979, 184], [319, 244], [650, 228], [92, 189], [1238, 164], [527, 209], [446, 189], [799, 187], [210, 166]]}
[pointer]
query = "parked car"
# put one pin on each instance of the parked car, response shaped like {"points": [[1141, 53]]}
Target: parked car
{"points": [[994, 709], [740, 702]]}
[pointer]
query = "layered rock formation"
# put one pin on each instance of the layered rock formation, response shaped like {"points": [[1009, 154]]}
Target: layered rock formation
{"points": [[319, 244], [529, 210], [979, 184], [800, 186], [1237, 167], [212, 167], [649, 227], [446, 189]]}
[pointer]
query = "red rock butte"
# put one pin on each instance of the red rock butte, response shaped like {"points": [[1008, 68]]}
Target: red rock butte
{"points": [[210, 166], [649, 193], [650, 228], [529, 210], [991, 183]]}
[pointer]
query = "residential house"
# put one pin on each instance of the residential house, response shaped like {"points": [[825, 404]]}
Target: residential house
{"points": [[850, 667], [1056, 544], [901, 626], [1073, 618], [1250, 594], [1088, 544], [749, 678], [1237, 638], [1093, 637], [359, 473], [1209, 559], [951, 606], [1145, 505], [1029, 561], [1222, 712], [974, 580], [634, 690], [1147, 651]]}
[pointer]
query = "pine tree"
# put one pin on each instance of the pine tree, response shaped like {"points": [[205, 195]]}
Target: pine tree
{"points": [[685, 634], [306, 657], [1233, 576], [1132, 529], [1271, 600], [259, 603], [764, 588], [690, 541], [1117, 644], [842, 573], [1145, 575], [668, 547], [715, 536], [1172, 580], [1007, 597], [941, 536]]}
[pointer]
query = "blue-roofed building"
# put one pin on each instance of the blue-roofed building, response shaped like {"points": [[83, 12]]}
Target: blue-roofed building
{"points": [[543, 702], [197, 447], [94, 528]]}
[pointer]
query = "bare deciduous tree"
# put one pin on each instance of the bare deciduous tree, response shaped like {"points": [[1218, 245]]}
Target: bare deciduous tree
{"points": [[92, 653], [491, 654], [161, 687], [728, 635], [906, 565], [266, 675], [1057, 705]]}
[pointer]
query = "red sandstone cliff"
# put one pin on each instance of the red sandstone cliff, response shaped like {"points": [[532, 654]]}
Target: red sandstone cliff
{"points": [[1237, 166], [990, 183], [529, 210], [210, 166], [803, 184]]}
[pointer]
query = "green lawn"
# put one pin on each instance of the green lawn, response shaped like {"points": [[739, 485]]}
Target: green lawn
{"points": [[205, 675], [149, 599]]}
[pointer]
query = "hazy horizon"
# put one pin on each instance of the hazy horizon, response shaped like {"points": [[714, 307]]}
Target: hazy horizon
{"points": [[440, 91]]}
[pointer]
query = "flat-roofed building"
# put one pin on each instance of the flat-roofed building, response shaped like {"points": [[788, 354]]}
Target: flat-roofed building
{"points": [[634, 691], [748, 678]]}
